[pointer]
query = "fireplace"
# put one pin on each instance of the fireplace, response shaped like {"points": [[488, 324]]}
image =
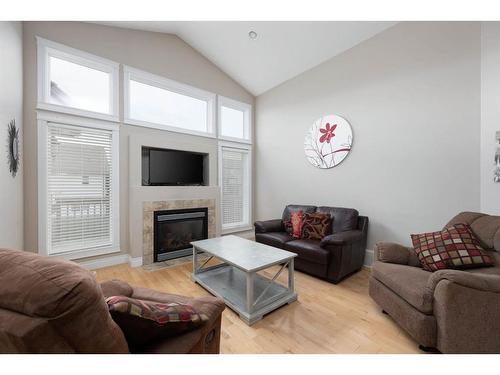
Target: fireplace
{"points": [[175, 229]]}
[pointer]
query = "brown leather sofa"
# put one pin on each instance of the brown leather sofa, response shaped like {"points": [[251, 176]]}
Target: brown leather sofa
{"points": [[448, 310], [55, 306], [334, 257]]}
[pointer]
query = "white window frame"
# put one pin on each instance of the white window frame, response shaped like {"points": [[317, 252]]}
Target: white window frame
{"points": [[226, 229], [173, 86], [247, 118], [47, 49], [43, 119]]}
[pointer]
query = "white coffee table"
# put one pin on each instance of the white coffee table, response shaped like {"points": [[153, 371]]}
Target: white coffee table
{"points": [[236, 279]]}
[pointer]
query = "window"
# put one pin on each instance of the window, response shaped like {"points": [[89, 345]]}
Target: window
{"points": [[76, 82], [234, 120], [234, 124], [158, 102], [78, 190], [235, 184]]}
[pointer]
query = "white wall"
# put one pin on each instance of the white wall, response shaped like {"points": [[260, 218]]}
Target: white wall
{"points": [[412, 96], [162, 54], [11, 104], [490, 114]]}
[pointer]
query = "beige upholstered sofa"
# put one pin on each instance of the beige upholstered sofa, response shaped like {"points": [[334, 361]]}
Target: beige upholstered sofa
{"points": [[448, 310]]}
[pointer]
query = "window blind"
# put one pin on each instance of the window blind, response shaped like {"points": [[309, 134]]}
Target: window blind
{"points": [[79, 191], [234, 189]]}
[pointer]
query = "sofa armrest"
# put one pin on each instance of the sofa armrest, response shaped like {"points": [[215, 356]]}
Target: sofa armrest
{"points": [[389, 252], [478, 281], [203, 339], [210, 306], [342, 238], [116, 288], [466, 307], [275, 225]]}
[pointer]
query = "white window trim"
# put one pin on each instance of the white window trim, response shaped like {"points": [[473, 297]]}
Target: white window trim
{"points": [[43, 118], [170, 85], [247, 118], [226, 229], [47, 48]]}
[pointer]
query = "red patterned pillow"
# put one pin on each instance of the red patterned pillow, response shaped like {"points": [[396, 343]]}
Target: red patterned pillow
{"points": [[296, 222], [293, 226], [455, 247], [142, 321], [315, 226]]}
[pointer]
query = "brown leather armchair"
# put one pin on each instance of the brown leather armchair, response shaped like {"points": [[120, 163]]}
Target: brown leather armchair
{"points": [[448, 310], [54, 306], [333, 258]]}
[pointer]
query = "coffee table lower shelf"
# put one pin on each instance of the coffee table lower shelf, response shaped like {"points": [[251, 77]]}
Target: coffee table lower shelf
{"points": [[230, 283]]}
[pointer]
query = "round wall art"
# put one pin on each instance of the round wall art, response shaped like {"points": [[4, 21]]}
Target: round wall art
{"points": [[328, 141]]}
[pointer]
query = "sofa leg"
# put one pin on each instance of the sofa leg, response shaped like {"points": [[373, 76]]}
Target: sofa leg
{"points": [[429, 349]]}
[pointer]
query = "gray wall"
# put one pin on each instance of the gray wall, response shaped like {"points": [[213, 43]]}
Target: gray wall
{"points": [[11, 104], [161, 54], [412, 96], [490, 114]]}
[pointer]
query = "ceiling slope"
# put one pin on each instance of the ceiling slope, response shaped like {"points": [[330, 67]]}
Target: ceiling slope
{"points": [[281, 51]]}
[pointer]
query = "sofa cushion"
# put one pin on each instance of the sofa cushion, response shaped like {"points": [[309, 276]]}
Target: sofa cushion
{"points": [[316, 226], [455, 247], [296, 207], [308, 250], [342, 218], [311, 268], [485, 227], [144, 321], [276, 239], [409, 283], [494, 270]]}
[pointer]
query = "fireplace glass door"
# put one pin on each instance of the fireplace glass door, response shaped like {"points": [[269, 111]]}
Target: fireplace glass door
{"points": [[175, 229]]}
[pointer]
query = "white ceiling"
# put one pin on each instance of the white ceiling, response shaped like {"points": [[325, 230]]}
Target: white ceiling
{"points": [[281, 51]]}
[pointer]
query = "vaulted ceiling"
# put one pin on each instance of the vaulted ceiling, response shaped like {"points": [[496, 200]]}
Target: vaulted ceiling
{"points": [[280, 51]]}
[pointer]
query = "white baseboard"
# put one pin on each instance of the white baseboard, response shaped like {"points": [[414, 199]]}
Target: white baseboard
{"points": [[105, 262], [369, 258], [111, 261], [134, 262]]}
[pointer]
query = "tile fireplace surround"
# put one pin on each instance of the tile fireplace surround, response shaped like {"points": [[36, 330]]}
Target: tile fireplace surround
{"points": [[148, 209]]}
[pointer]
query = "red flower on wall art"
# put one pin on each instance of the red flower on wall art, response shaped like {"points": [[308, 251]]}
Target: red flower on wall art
{"points": [[327, 133], [328, 141]]}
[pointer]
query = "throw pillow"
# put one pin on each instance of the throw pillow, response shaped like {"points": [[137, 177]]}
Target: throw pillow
{"points": [[316, 225], [297, 217], [145, 321], [296, 222], [455, 247]]}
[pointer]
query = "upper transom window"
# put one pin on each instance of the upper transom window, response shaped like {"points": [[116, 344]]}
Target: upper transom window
{"points": [[76, 82], [234, 120], [161, 103]]}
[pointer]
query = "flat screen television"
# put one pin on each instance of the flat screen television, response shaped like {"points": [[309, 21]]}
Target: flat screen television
{"points": [[166, 167]]}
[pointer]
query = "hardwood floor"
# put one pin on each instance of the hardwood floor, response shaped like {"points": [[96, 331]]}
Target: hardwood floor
{"points": [[327, 318]]}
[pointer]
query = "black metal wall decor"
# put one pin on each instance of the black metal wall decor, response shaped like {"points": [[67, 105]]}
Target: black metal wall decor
{"points": [[13, 147]]}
